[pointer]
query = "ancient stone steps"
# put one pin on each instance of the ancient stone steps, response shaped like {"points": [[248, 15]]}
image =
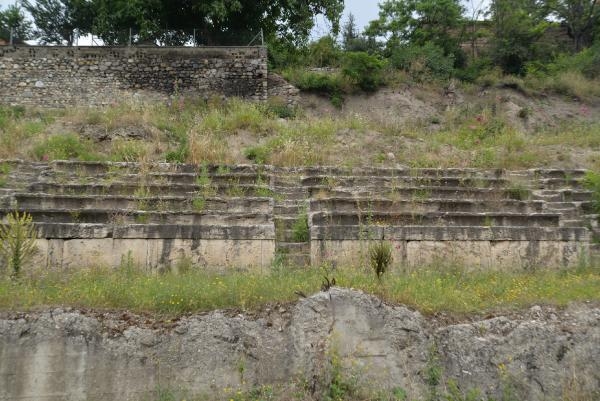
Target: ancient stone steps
{"points": [[125, 216], [422, 192], [436, 219], [148, 203], [290, 205], [364, 206], [449, 233], [127, 200]]}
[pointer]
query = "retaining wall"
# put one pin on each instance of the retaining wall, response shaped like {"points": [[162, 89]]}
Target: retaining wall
{"points": [[97, 76]]}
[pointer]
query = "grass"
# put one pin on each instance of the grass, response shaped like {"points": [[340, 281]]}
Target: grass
{"points": [[474, 134], [196, 290]]}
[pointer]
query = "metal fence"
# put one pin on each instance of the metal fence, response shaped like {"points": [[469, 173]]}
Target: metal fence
{"points": [[170, 37], [164, 37]]}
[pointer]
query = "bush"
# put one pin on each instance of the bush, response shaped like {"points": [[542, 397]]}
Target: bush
{"points": [[423, 63], [380, 257], [364, 70], [17, 241], [310, 81], [257, 154], [301, 232], [64, 147], [324, 52]]}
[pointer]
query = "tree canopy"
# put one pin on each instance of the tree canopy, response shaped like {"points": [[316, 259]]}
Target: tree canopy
{"points": [[418, 22], [13, 18], [173, 22]]}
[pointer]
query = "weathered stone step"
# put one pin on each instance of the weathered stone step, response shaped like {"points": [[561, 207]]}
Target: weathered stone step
{"points": [[288, 210], [149, 203], [424, 192], [450, 233], [391, 183], [285, 222], [98, 168], [365, 206], [295, 247], [564, 195], [558, 183], [121, 188], [436, 219], [287, 236], [153, 231], [122, 217]]}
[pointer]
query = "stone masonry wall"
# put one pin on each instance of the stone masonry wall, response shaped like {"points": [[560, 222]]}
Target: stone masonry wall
{"points": [[96, 76]]}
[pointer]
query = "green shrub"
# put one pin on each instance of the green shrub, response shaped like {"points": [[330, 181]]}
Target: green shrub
{"points": [[279, 107], [64, 147], [300, 228], [317, 82], [592, 182], [4, 171], [257, 154], [363, 70], [324, 52], [423, 63], [380, 257], [178, 155], [17, 241]]}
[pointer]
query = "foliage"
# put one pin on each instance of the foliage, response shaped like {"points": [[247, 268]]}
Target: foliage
{"points": [[324, 52], [64, 147], [17, 241], [257, 154], [423, 62], [518, 25], [300, 229], [363, 70], [429, 289], [57, 20], [380, 257], [14, 18], [592, 182], [419, 22], [586, 62], [354, 41], [218, 22], [582, 17]]}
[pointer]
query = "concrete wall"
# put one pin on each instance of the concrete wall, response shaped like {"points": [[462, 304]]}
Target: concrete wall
{"points": [[92, 76], [541, 354]]}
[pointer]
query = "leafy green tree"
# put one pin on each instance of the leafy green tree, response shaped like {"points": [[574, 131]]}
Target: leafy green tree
{"points": [[354, 41], [417, 22], [582, 17], [216, 21], [517, 26], [14, 19], [57, 20]]}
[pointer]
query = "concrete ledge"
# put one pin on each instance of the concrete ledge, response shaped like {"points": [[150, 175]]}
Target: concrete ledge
{"points": [[153, 231], [445, 233], [154, 253], [422, 205], [487, 255], [434, 219]]}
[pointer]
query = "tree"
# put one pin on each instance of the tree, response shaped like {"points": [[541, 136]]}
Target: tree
{"points": [[517, 25], [582, 18], [13, 19], [216, 21], [354, 41], [57, 20], [417, 22]]}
